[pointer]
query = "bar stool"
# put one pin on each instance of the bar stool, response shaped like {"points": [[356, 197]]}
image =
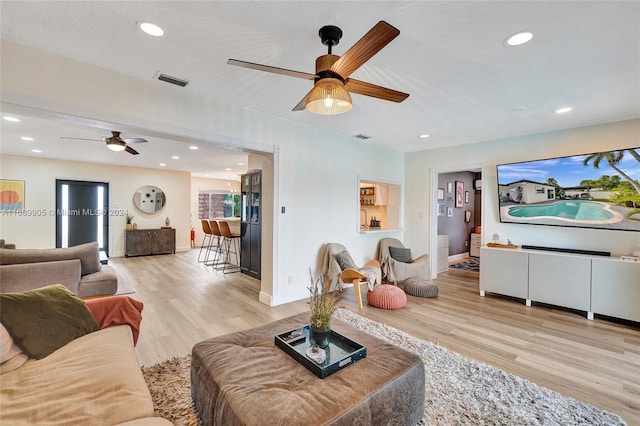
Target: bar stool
{"points": [[217, 236], [208, 237], [229, 240]]}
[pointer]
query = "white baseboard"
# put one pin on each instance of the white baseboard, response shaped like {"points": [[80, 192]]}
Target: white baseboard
{"points": [[265, 298], [460, 256]]}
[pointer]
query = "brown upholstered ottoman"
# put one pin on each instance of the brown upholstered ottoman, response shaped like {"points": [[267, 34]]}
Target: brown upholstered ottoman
{"points": [[244, 379]]}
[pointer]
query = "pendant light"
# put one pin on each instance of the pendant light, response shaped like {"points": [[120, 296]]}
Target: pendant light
{"points": [[329, 97]]}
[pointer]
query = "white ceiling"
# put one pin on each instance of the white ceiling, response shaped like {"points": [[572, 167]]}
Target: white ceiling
{"points": [[465, 84]]}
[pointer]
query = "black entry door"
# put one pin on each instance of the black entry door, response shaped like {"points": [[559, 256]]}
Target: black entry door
{"points": [[81, 213]]}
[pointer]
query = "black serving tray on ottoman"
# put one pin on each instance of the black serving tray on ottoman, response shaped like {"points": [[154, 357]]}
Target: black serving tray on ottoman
{"points": [[341, 351]]}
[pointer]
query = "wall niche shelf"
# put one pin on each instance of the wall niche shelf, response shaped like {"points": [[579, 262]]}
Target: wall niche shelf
{"points": [[368, 196]]}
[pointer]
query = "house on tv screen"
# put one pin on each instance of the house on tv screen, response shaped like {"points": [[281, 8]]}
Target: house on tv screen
{"points": [[526, 192]]}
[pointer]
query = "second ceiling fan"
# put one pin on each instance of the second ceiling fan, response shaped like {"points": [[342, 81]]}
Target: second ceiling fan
{"points": [[332, 85], [115, 142]]}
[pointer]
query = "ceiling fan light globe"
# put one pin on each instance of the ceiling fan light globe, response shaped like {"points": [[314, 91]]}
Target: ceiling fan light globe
{"points": [[116, 146], [329, 97]]}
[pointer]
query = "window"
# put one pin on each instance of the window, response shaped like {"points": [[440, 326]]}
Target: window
{"points": [[213, 204]]}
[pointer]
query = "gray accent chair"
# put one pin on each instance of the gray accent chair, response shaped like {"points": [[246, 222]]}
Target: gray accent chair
{"points": [[396, 271]]}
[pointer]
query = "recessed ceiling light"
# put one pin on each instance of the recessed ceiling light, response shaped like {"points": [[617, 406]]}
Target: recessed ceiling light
{"points": [[193, 147], [175, 157], [518, 39], [151, 29], [228, 169], [37, 151], [240, 164], [26, 138], [12, 119], [163, 164], [424, 136], [562, 110]]}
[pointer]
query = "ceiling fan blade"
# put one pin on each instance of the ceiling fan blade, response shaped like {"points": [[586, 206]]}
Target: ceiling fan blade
{"points": [[275, 70], [81, 139], [368, 89], [131, 150], [302, 105], [135, 140], [378, 37]]}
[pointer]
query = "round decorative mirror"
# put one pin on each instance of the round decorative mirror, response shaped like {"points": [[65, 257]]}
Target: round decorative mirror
{"points": [[149, 199]]}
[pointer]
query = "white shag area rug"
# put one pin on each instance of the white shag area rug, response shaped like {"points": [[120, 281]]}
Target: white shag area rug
{"points": [[458, 390], [461, 391]]}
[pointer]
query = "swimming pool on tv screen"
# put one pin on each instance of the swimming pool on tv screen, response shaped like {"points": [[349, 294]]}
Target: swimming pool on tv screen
{"points": [[576, 210]]}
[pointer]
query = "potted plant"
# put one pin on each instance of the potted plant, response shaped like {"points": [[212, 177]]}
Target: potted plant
{"points": [[323, 305], [129, 218]]}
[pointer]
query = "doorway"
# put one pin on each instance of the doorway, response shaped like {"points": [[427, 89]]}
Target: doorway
{"points": [[81, 213], [457, 218]]}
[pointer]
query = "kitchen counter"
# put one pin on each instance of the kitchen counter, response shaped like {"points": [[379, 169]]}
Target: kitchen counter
{"points": [[369, 230]]}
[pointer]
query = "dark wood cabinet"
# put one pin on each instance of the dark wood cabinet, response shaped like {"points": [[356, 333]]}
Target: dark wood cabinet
{"points": [[140, 242], [250, 225]]}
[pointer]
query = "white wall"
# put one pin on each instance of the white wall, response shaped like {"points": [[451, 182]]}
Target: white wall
{"points": [[314, 172], [40, 187], [318, 186], [584, 140]]}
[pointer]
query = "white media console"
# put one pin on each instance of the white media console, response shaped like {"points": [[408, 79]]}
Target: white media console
{"points": [[595, 284]]}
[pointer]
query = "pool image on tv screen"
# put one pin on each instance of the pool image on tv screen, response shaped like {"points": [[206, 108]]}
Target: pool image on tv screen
{"points": [[599, 190]]}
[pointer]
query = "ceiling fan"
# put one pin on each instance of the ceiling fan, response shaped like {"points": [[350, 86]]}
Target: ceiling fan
{"points": [[332, 85], [115, 142]]}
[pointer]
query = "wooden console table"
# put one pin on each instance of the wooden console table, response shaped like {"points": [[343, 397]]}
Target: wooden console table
{"points": [[140, 242]]}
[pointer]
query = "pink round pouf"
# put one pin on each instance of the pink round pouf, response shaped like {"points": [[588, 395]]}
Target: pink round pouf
{"points": [[386, 296]]}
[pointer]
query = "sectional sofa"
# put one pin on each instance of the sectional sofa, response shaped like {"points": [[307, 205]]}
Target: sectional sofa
{"points": [[78, 268]]}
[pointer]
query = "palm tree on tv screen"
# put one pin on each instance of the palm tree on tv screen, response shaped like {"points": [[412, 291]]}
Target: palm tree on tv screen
{"points": [[613, 158]]}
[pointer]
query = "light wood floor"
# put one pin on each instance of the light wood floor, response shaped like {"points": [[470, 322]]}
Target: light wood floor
{"points": [[597, 362]]}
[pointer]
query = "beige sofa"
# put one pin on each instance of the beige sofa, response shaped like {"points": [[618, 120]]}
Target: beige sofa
{"points": [[94, 380], [89, 377], [78, 268]]}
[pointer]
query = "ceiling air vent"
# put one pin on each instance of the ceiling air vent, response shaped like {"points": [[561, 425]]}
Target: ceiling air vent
{"points": [[363, 137], [172, 80]]}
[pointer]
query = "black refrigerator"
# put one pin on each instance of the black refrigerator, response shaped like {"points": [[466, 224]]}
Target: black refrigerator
{"points": [[250, 225]]}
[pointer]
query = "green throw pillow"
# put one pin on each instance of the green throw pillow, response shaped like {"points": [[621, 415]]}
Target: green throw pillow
{"points": [[44, 320], [400, 254]]}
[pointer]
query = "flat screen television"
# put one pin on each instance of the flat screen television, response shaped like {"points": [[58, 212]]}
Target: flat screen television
{"points": [[599, 190]]}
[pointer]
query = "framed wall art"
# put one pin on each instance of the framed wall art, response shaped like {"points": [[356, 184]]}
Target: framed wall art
{"points": [[466, 197], [11, 194], [440, 209], [459, 193], [440, 193]]}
